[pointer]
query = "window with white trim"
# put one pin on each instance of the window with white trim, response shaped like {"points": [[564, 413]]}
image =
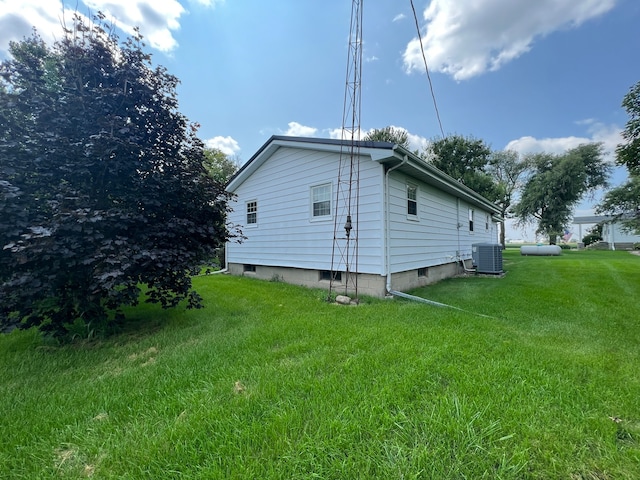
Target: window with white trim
{"points": [[412, 200], [487, 222], [252, 212], [471, 219], [321, 201]]}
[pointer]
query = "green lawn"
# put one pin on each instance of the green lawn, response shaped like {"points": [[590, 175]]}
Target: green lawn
{"points": [[269, 381]]}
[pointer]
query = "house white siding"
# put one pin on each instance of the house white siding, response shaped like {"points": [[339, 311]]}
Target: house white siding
{"points": [[413, 221], [286, 234], [439, 233], [617, 238]]}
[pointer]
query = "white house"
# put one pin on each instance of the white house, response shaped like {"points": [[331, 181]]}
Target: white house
{"points": [[615, 237], [415, 224]]}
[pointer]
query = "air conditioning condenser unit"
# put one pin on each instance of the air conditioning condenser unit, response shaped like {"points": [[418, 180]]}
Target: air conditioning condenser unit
{"points": [[487, 257]]}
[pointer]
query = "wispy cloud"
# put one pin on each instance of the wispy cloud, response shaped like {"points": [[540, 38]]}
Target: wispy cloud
{"points": [[466, 38]]}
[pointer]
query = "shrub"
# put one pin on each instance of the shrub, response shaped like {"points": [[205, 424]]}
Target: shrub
{"points": [[591, 238], [102, 185]]}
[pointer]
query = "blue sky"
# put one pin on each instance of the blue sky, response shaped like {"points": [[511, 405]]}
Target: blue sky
{"points": [[542, 75]]}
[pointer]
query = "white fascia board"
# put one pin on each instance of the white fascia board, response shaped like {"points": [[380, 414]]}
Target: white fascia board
{"points": [[376, 154], [323, 145]]}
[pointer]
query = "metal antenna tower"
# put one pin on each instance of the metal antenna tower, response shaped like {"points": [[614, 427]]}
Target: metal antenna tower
{"points": [[344, 254]]}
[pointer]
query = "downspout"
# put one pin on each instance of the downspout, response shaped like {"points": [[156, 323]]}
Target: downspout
{"points": [[390, 291], [226, 260], [387, 214], [458, 226], [226, 264], [458, 223]]}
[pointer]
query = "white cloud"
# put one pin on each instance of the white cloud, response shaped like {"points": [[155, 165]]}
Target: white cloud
{"points": [[609, 135], [18, 18], [340, 134], [465, 38], [417, 142], [157, 19], [400, 16], [297, 130], [208, 3], [226, 145], [555, 146]]}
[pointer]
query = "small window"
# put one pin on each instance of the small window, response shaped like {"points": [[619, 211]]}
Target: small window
{"points": [[412, 200], [248, 268], [487, 223], [252, 212], [422, 272], [326, 275], [471, 219], [321, 201]]}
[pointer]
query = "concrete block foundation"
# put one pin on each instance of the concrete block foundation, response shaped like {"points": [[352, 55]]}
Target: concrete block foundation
{"points": [[368, 284]]}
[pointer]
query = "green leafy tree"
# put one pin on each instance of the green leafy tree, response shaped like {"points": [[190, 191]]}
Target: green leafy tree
{"points": [[389, 134], [624, 201], [219, 165], [628, 153], [466, 159], [594, 234], [557, 184], [102, 185], [507, 169]]}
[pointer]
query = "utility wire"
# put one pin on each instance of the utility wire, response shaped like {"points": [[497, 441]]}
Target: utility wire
{"points": [[426, 67]]}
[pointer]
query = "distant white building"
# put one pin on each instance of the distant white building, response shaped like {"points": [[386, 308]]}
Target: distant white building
{"points": [[416, 224], [612, 233]]}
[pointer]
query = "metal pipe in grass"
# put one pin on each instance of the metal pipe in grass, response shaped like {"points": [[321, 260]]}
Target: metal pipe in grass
{"points": [[436, 304]]}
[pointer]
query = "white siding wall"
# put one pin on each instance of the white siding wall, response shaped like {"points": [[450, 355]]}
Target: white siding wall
{"points": [[613, 233], [433, 238], [285, 234]]}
